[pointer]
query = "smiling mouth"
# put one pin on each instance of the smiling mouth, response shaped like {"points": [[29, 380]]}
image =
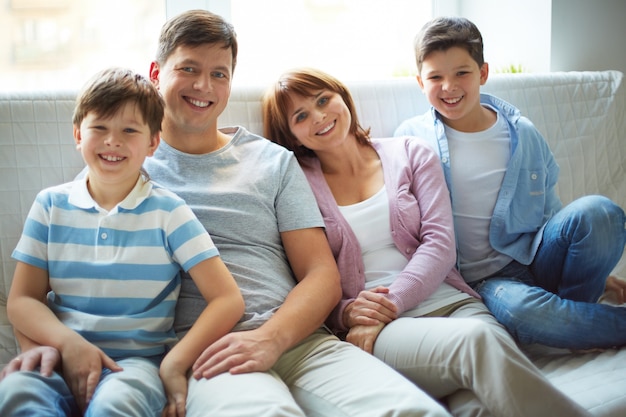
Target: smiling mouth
{"points": [[452, 100], [198, 103], [326, 129], [112, 158]]}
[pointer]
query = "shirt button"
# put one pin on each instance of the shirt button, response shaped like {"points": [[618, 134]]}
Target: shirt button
{"points": [[444, 160], [104, 236], [533, 176]]}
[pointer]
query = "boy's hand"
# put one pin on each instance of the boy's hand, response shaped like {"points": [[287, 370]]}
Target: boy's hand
{"points": [[82, 368], [175, 384], [46, 358]]}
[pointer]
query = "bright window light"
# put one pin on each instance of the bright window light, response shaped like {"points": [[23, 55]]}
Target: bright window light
{"points": [[59, 44]]}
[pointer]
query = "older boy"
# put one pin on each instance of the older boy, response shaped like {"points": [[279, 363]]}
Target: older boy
{"points": [[539, 267]]}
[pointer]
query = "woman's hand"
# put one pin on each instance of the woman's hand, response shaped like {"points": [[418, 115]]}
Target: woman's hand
{"points": [[364, 336], [370, 308]]}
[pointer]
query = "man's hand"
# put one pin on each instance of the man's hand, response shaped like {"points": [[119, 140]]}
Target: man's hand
{"points": [[364, 336], [45, 358], [238, 353]]}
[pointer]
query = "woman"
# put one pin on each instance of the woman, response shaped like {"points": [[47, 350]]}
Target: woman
{"points": [[389, 222]]}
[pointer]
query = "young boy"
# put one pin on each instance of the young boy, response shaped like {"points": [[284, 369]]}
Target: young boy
{"points": [[110, 248], [539, 267]]}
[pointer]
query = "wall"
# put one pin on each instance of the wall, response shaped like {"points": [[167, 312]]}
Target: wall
{"points": [[588, 35], [547, 35]]}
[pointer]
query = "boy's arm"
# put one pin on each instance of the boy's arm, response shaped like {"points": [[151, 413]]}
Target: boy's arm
{"points": [[303, 311], [225, 306], [31, 316]]}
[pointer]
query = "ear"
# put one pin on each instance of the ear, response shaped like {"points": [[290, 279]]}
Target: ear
{"points": [[77, 138], [154, 144], [420, 82], [155, 70], [484, 73]]}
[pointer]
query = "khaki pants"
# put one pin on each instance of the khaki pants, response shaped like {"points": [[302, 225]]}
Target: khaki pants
{"points": [[470, 358], [321, 377]]}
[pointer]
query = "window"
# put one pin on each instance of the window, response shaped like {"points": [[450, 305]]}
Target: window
{"points": [[59, 44]]}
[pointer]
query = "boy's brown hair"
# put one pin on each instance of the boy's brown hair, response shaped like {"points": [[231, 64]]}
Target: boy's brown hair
{"points": [[194, 28], [108, 90], [304, 82], [443, 33]]}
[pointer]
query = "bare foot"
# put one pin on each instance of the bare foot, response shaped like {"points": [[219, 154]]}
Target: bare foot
{"points": [[615, 289]]}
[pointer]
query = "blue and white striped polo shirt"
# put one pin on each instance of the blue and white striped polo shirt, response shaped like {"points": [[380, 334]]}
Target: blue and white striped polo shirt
{"points": [[114, 274]]}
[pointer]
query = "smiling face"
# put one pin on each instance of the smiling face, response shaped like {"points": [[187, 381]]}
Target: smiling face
{"points": [[114, 148], [451, 81], [195, 83], [319, 122]]}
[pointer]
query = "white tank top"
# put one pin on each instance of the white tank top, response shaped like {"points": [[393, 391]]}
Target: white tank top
{"points": [[369, 220]]}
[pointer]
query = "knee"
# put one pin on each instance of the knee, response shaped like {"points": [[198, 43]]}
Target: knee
{"points": [[597, 210], [121, 396]]}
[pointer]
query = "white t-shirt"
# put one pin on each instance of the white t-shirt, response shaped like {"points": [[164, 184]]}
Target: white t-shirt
{"points": [[478, 163]]}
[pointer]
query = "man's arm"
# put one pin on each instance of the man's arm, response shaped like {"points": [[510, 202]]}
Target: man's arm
{"points": [[305, 309]]}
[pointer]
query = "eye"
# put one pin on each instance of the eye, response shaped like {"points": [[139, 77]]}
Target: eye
{"points": [[462, 73], [300, 117], [130, 130], [218, 74], [187, 69], [322, 101], [434, 77]]}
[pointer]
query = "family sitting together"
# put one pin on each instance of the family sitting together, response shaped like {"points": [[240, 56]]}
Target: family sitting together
{"points": [[316, 271]]}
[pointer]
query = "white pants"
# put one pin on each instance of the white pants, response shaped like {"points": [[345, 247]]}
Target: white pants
{"points": [[321, 377], [470, 358]]}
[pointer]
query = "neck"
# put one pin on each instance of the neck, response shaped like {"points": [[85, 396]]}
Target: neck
{"points": [[109, 195], [349, 160], [192, 141]]}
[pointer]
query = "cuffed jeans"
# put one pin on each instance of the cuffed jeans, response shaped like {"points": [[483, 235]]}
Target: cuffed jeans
{"points": [[135, 391], [554, 300]]}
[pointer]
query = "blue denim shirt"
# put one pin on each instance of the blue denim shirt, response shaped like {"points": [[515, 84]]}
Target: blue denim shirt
{"points": [[527, 197]]}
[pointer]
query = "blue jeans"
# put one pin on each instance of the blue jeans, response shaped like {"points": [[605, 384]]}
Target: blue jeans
{"points": [[135, 391], [553, 301]]}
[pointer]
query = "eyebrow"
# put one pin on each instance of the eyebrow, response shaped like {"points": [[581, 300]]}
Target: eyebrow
{"points": [[312, 97]]}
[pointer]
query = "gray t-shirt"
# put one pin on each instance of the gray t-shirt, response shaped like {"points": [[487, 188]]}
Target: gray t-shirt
{"points": [[245, 194]]}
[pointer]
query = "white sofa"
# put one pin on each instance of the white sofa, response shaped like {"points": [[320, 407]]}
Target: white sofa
{"points": [[581, 114]]}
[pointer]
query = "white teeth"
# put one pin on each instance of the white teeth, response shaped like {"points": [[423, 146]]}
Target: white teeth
{"points": [[321, 132], [452, 100], [112, 158], [199, 103]]}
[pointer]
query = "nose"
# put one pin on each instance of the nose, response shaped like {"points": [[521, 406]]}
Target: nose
{"points": [[113, 140], [202, 83], [448, 84], [319, 116]]}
